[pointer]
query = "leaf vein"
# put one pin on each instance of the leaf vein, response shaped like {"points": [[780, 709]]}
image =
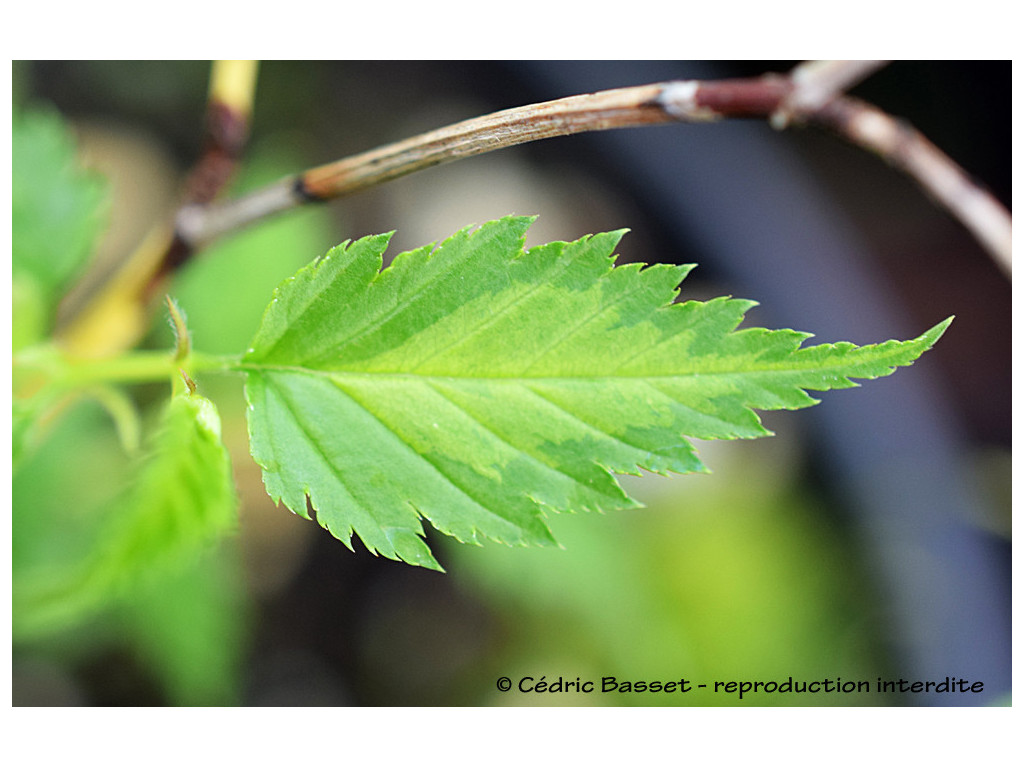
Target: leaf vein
{"points": [[584, 322], [537, 459], [587, 424], [493, 318], [296, 413], [372, 320], [423, 458]]}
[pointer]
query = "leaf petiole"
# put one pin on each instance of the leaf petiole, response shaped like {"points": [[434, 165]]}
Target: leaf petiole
{"points": [[49, 367]]}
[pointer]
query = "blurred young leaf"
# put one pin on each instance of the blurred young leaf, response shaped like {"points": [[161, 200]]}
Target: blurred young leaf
{"points": [[25, 417], [61, 490], [188, 624], [481, 386], [181, 502], [56, 216]]}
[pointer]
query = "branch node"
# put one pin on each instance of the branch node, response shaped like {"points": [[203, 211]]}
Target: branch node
{"points": [[679, 100]]}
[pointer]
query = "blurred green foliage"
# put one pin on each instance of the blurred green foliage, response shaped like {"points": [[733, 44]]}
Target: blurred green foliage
{"points": [[185, 623], [57, 214]]}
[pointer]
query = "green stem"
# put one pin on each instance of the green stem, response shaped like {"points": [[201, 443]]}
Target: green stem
{"points": [[199, 362], [133, 368]]}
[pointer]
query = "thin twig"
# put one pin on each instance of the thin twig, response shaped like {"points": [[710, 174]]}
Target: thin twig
{"points": [[229, 107], [907, 149], [810, 94], [817, 97], [618, 108], [816, 83], [812, 83], [604, 110]]}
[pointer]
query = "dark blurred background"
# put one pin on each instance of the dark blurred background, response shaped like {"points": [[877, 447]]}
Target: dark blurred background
{"points": [[870, 538]]}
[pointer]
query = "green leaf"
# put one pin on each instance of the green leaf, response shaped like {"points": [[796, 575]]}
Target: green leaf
{"points": [[56, 217], [189, 626], [481, 386], [181, 503]]}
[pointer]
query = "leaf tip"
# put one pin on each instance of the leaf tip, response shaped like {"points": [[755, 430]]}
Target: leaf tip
{"points": [[935, 333], [409, 547]]}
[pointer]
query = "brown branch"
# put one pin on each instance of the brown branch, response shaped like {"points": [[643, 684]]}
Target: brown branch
{"points": [[228, 110], [816, 83], [907, 149], [811, 93], [619, 108], [681, 101]]}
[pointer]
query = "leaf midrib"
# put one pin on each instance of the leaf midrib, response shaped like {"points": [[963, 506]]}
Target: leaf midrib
{"points": [[843, 366]]}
